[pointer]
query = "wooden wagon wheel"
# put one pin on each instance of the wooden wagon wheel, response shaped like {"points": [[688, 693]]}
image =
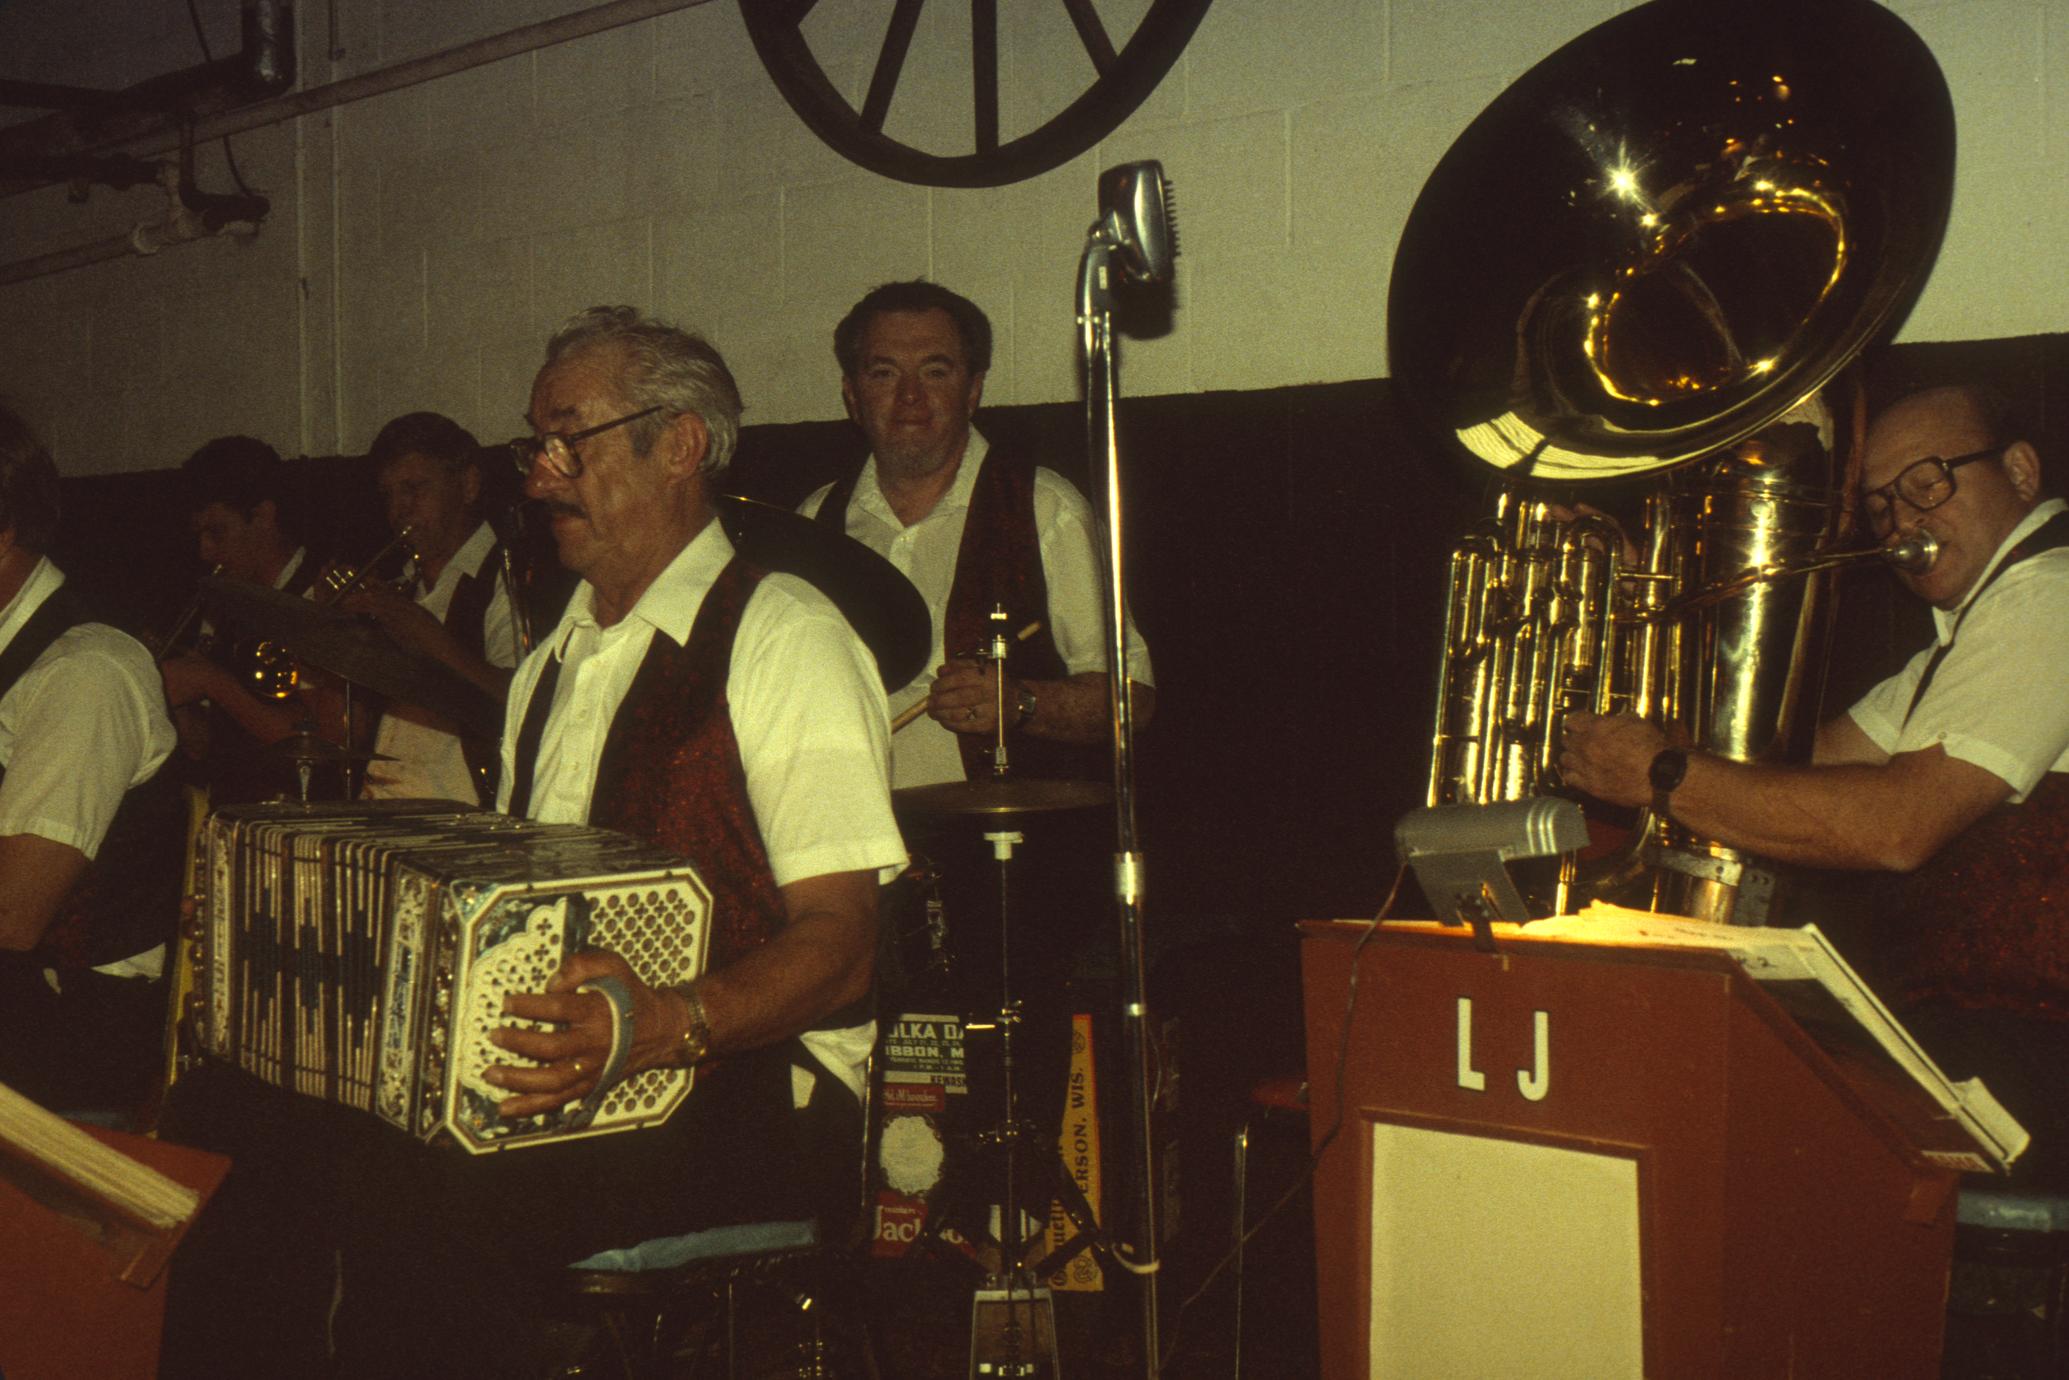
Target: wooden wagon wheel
{"points": [[1123, 78]]}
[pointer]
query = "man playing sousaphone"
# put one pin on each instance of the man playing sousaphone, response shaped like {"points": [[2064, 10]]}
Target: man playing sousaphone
{"points": [[1953, 774]]}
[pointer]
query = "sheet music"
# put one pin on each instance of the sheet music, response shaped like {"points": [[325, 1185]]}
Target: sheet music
{"points": [[1801, 969]]}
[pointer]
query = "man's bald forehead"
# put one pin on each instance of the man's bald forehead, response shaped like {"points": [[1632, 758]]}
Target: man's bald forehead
{"points": [[1968, 408], [1938, 421]]}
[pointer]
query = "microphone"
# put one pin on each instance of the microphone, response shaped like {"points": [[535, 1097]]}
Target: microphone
{"points": [[507, 521], [1135, 217]]}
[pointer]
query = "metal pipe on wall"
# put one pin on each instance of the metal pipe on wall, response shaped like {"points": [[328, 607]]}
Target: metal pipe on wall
{"points": [[481, 52], [263, 66], [515, 42], [187, 217]]}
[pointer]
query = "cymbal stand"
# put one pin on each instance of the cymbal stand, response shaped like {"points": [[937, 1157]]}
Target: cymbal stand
{"points": [[1131, 240], [353, 772], [995, 652], [1012, 1317]]}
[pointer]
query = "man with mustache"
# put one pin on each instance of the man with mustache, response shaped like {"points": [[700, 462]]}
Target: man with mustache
{"points": [[729, 716], [1950, 773]]}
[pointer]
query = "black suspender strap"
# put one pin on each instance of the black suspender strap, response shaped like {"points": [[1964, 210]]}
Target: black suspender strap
{"points": [[2049, 535], [833, 509], [56, 616], [526, 757]]}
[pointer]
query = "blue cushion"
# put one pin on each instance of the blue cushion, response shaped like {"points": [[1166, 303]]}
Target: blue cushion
{"points": [[715, 1243]]}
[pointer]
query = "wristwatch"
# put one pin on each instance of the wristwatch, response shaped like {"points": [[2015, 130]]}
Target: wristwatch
{"points": [[696, 1034], [1669, 765], [1024, 706]]}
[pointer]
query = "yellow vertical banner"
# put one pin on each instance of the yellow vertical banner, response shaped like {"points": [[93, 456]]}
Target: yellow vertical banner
{"points": [[1079, 1143]]}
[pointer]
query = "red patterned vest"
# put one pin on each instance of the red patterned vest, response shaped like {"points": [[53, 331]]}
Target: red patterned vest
{"points": [[1000, 563], [671, 770], [1985, 923]]}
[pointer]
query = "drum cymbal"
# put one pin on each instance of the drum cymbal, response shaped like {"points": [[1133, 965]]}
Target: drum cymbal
{"points": [[355, 648], [880, 604], [307, 747], [1017, 797]]}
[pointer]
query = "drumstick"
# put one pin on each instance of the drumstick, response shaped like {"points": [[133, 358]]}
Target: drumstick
{"points": [[913, 711]]}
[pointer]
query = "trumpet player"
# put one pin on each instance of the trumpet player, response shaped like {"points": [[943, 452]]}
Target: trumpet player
{"points": [[226, 703], [456, 606], [1952, 775]]}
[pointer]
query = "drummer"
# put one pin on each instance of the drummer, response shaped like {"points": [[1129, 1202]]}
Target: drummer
{"points": [[974, 526], [455, 607], [913, 359]]}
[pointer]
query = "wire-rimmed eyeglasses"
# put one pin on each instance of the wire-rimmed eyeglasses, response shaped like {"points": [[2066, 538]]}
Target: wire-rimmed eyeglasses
{"points": [[1924, 484], [557, 449]]}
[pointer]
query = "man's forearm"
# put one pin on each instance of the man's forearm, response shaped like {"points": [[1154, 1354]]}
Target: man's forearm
{"points": [[1891, 817], [822, 960], [1891, 814], [1079, 709], [1790, 815], [464, 661], [491, 679], [36, 874], [264, 721]]}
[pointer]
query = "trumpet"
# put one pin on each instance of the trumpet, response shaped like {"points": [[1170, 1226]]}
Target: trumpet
{"points": [[270, 667], [340, 581], [162, 648]]}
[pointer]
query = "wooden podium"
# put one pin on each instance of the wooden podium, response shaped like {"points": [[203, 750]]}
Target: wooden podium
{"points": [[82, 1283], [1561, 1159]]}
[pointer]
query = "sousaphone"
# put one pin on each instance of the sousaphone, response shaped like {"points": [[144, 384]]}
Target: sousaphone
{"points": [[1652, 260]]}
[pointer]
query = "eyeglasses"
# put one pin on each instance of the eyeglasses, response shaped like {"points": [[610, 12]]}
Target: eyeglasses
{"points": [[1924, 484], [557, 449]]}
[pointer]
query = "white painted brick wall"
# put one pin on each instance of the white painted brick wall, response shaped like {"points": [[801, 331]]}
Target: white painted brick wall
{"points": [[423, 243]]}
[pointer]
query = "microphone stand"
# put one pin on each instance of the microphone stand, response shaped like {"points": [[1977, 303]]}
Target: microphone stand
{"points": [[1097, 272], [509, 526]]}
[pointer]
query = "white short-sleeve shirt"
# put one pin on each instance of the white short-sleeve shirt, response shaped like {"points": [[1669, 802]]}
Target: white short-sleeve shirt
{"points": [[429, 762], [85, 723], [925, 553], [2000, 699]]}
